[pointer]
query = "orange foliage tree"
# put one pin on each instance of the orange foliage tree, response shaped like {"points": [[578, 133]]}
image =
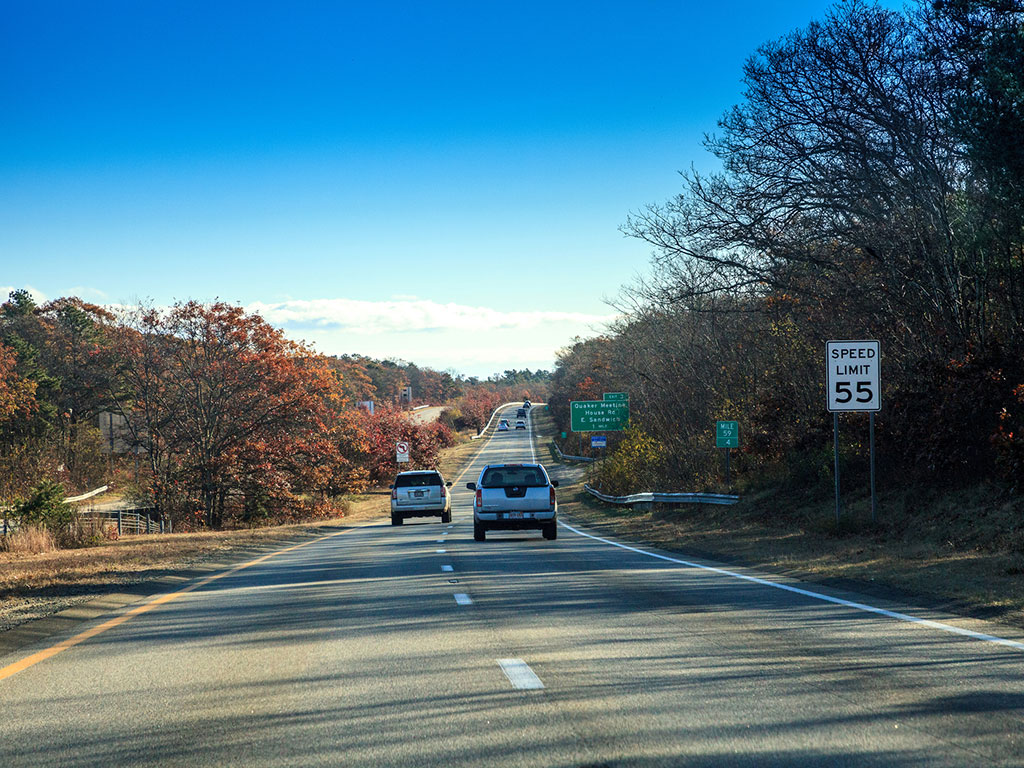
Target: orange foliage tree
{"points": [[234, 418]]}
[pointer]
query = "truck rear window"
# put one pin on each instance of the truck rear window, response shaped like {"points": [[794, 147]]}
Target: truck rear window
{"points": [[513, 477], [417, 481]]}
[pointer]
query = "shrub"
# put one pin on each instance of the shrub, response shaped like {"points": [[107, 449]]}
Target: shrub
{"points": [[45, 508]]}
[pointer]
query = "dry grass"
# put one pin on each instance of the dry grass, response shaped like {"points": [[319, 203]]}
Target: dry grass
{"points": [[29, 540]]}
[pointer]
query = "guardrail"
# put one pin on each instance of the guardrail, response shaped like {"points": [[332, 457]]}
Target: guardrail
{"points": [[570, 457], [420, 407], [652, 497]]}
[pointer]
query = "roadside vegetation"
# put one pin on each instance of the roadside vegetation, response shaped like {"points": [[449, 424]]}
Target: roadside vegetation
{"points": [[872, 187]]}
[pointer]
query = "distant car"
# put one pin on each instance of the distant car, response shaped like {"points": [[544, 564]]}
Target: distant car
{"points": [[520, 424], [514, 497], [526, 404], [503, 426], [422, 493], [521, 413]]}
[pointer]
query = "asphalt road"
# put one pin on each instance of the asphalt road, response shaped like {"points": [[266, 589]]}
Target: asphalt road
{"points": [[416, 646]]}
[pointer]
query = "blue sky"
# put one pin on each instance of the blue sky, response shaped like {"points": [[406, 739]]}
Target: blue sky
{"points": [[437, 181]]}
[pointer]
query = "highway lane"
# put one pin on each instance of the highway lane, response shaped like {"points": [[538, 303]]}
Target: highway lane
{"points": [[354, 650]]}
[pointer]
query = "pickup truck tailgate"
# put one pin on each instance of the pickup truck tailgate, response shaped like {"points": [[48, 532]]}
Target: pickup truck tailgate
{"points": [[516, 499]]}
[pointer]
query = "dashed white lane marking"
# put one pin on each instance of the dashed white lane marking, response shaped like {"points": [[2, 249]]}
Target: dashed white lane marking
{"points": [[816, 595], [447, 568], [462, 598], [440, 551], [519, 674], [440, 541]]}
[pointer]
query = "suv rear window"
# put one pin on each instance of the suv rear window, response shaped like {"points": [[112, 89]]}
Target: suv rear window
{"points": [[513, 477], [417, 481]]}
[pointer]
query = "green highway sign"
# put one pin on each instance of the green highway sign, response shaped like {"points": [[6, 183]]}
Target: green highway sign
{"points": [[599, 415], [727, 434], [616, 396]]}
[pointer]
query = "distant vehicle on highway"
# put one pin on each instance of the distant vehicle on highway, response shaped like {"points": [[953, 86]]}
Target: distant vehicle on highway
{"points": [[521, 413], [526, 404], [520, 424], [514, 497], [503, 426], [422, 493]]}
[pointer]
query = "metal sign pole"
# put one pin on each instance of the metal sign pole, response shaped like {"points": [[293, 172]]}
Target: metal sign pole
{"points": [[835, 452], [872, 443], [728, 482]]}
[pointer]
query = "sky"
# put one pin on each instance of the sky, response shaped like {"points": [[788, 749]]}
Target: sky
{"points": [[440, 182]]}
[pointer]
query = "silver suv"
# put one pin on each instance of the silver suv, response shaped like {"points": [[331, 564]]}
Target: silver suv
{"points": [[420, 494], [514, 497]]}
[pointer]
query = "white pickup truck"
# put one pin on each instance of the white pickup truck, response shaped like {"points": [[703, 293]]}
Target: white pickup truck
{"points": [[514, 497]]}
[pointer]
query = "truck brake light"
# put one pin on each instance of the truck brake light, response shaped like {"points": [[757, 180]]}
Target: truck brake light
{"points": [[551, 496], [479, 497]]}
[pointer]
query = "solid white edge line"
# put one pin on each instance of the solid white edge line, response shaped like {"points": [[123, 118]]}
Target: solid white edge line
{"points": [[463, 599], [440, 551], [520, 675], [814, 595]]}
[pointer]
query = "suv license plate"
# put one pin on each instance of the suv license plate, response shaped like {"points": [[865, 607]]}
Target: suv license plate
{"points": [[516, 515], [418, 494]]}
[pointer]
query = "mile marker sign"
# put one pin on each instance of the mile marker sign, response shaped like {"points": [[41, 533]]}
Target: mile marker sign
{"points": [[853, 375]]}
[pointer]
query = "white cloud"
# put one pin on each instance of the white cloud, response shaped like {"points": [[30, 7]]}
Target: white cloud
{"points": [[473, 340], [85, 292], [411, 316]]}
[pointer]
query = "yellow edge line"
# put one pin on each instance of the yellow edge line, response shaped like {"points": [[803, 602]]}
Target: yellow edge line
{"points": [[81, 637]]}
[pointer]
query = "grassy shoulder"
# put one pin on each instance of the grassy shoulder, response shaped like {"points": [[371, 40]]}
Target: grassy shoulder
{"points": [[955, 550], [36, 585]]}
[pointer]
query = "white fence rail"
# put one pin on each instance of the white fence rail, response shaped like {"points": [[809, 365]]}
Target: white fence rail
{"points": [[652, 497]]}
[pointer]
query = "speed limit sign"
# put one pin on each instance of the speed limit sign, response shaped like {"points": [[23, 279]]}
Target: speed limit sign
{"points": [[853, 376], [402, 452]]}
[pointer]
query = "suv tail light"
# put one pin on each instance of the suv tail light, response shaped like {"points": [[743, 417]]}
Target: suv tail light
{"points": [[479, 497], [551, 496], [394, 493], [444, 491]]}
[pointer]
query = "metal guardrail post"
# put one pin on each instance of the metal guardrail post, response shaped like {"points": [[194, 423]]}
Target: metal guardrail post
{"points": [[119, 523]]}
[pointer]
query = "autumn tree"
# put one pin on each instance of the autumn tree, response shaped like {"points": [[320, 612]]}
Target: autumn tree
{"points": [[223, 406]]}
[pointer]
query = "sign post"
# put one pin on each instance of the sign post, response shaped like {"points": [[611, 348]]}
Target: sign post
{"points": [[402, 452], [853, 376], [727, 436]]}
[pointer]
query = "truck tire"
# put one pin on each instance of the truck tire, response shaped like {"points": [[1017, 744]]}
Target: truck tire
{"points": [[396, 519], [479, 532], [446, 517], [550, 531]]}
